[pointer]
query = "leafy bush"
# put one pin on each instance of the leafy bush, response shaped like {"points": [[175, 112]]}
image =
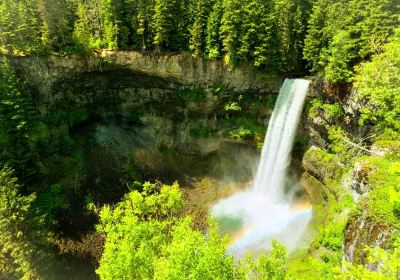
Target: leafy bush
{"points": [[384, 181], [146, 239], [49, 201], [378, 83]]}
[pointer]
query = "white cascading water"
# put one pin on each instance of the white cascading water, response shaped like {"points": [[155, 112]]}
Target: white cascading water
{"points": [[265, 212], [276, 152]]}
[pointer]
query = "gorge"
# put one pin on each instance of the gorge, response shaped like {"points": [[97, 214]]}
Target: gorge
{"points": [[199, 139], [204, 133]]}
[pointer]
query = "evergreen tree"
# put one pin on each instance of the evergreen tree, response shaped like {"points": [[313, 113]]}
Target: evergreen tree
{"points": [[20, 26], [317, 38], [55, 31], [110, 26], [170, 25], [342, 33], [82, 34], [17, 128], [198, 29], [213, 40], [259, 41], [143, 28], [291, 23], [378, 84], [230, 29], [21, 250]]}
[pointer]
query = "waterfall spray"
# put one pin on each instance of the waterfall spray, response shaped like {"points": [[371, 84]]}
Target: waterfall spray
{"points": [[264, 210]]}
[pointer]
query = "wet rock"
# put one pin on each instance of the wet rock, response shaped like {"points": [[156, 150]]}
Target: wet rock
{"points": [[359, 180], [362, 231]]}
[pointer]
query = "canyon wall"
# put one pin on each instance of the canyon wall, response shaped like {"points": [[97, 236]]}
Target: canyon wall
{"points": [[43, 72]]}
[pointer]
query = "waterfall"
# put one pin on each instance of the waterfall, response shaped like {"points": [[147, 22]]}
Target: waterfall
{"points": [[275, 156], [264, 212]]}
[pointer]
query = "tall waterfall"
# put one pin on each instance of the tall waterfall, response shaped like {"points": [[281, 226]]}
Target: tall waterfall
{"points": [[275, 155], [264, 212]]}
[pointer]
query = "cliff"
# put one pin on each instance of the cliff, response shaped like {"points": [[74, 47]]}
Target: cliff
{"points": [[45, 71]]}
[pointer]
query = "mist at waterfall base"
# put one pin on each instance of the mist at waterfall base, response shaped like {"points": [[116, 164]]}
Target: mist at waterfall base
{"points": [[265, 212]]}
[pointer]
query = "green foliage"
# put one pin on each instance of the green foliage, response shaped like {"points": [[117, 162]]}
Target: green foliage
{"points": [[18, 135], [246, 128], [341, 33], [332, 235], [333, 218], [378, 83], [324, 164], [240, 133], [291, 25], [307, 267], [268, 33], [169, 25], [145, 240], [110, 27], [213, 42], [384, 180], [82, 34], [20, 26], [389, 141], [232, 106], [135, 232], [197, 42], [330, 112], [386, 263], [271, 266], [248, 33], [191, 255], [339, 145], [49, 201], [20, 232]]}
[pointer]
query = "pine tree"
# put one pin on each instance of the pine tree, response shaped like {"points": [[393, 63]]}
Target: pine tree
{"points": [[291, 21], [55, 31], [342, 33], [20, 26], [213, 40], [230, 29], [21, 250], [82, 34], [17, 127], [110, 24], [143, 30], [198, 29], [161, 24], [170, 25]]}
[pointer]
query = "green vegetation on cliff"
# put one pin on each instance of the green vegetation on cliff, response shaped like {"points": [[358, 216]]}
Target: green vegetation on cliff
{"points": [[366, 146]]}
